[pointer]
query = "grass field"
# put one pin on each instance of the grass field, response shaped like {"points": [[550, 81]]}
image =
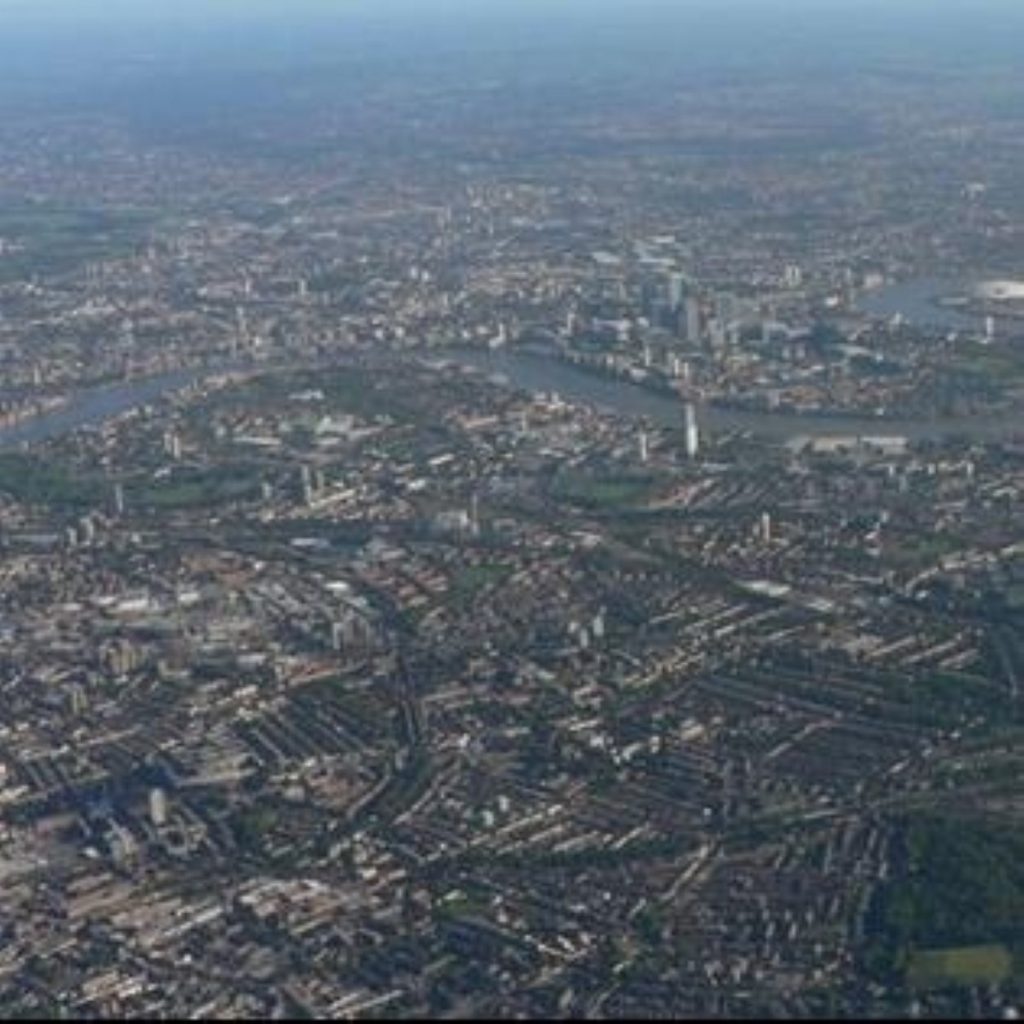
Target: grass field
{"points": [[469, 582], [196, 489], [964, 965], [999, 366], [34, 481], [922, 551], [602, 492]]}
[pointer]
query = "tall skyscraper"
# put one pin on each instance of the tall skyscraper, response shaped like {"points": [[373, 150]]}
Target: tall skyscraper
{"points": [[675, 290], [718, 335], [157, 807], [693, 324], [692, 432], [79, 700], [87, 530], [474, 514], [172, 445]]}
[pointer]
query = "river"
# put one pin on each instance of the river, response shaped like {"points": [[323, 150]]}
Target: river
{"points": [[916, 301], [537, 373], [92, 406]]}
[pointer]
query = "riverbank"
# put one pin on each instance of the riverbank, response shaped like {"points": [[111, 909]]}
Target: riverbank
{"points": [[538, 373]]}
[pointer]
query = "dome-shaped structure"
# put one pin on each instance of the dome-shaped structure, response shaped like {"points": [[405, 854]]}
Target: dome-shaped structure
{"points": [[1001, 291]]}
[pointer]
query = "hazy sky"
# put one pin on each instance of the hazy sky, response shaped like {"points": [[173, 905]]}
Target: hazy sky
{"points": [[140, 11], [138, 14], [39, 35]]}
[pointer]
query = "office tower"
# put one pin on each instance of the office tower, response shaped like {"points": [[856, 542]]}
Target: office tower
{"points": [[306, 485], [766, 527], [118, 500], [644, 453], [794, 276], [990, 328]]}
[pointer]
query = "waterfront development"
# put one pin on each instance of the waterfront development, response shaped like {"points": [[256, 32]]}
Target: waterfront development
{"points": [[942, 304], [545, 373]]}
